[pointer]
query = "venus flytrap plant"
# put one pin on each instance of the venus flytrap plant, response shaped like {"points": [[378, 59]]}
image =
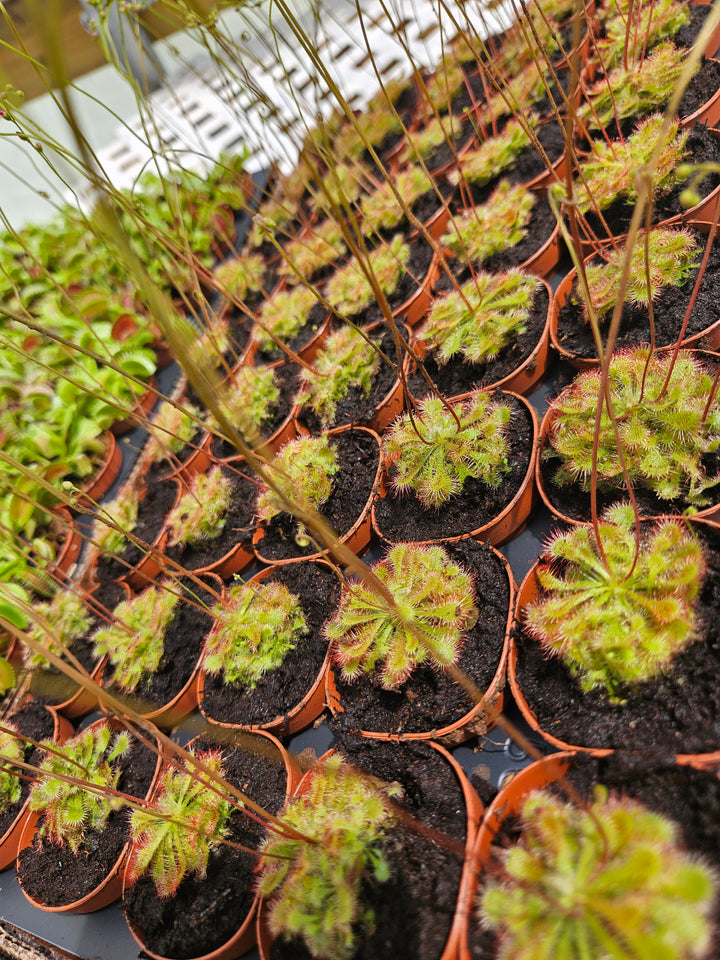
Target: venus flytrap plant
{"points": [[283, 316], [315, 889], [478, 320], [431, 592], [346, 360], [199, 515], [349, 291], [609, 880], [622, 621], [434, 455], [257, 628], [493, 226]]}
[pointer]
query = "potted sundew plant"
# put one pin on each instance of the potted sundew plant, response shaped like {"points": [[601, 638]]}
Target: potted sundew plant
{"points": [[290, 318], [257, 401], [309, 256]]}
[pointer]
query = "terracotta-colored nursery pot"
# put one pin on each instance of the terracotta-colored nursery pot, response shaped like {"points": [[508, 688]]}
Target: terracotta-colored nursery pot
{"points": [[140, 412], [106, 475]]}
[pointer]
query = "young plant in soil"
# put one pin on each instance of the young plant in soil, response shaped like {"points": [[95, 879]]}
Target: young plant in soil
{"points": [[172, 838], [241, 276], [433, 456], [493, 226], [495, 156], [620, 620], [171, 429], [70, 811], [259, 626], [200, 513], [433, 595], [349, 291], [134, 644], [346, 360], [283, 315], [381, 210], [611, 880], [250, 401], [444, 85], [630, 29], [309, 254], [422, 143], [12, 748], [665, 429], [478, 320], [122, 512], [68, 620], [316, 886]]}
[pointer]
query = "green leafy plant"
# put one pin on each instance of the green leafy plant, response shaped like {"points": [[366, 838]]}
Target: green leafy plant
{"points": [[374, 125], [240, 276], [444, 85], [420, 144], [517, 96], [257, 628], [68, 620], [434, 457], [346, 360], [172, 427], [636, 27], [199, 515], [664, 431], [122, 511], [173, 837], [12, 747], [308, 254], [341, 187], [672, 256], [634, 90], [73, 811], [622, 620], [380, 210], [479, 320], [284, 314], [612, 880], [349, 291], [493, 226], [495, 156], [432, 593], [251, 400], [316, 887], [135, 642]]}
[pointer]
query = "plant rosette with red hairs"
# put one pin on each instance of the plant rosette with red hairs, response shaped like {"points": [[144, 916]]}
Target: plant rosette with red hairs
{"points": [[617, 653], [189, 888], [458, 471], [71, 859], [338, 474], [385, 681], [636, 863], [265, 662]]}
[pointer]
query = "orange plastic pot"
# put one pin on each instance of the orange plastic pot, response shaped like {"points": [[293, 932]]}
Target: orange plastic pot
{"points": [[105, 476], [708, 112], [480, 717], [140, 411], [69, 550], [415, 307], [106, 892]]}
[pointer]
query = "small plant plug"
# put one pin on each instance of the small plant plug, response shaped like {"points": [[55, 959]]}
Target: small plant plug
{"points": [[193, 819], [493, 226], [200, 514], [12, 748], [257, 628], [481, 318], [68, 619], [240, 276], [284, 315], [349, 291], [436, 463], [306, 255], [610, 881], [672, 256], [71, 812], [381, 211], [496, 156], [624, 622], [346, 360], [316, 886], [250, 401], [432, 594], [135, 643]]}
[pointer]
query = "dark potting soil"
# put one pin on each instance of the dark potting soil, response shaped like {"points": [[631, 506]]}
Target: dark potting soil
{"points": [[684, 795], [54, 875], [424, 208], [702, 146], [238, 527], [285, 377], [460, 376], [669, 309], [414, 908], [357, 407], [430, 700], [447, 152], [402, 516], [205, 913], [278, 692], [358, 455], [680, 709], [687, 35], [36, 722], [539, 230], [182, 647], [315, 320]]}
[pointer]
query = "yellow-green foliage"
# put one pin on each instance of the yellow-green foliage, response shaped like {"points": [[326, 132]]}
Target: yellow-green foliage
{"points": [[494, 156], [250, 401], [624, 622], [67, 619], [257, 628], [433, 595], [172, 427], [199, 515], [498, 224], [310, 252], [346, 360], [642, 27], [609, 881], [421, 143], [237, 278], [304, 470], [12, 747], [381, 211], [349, 291], [122, 511], [284, 315]]}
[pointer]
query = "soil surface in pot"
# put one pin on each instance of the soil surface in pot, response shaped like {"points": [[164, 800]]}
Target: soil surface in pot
{"points": [[423, 209], [315, 320], [278, 692], [460, 376], [238, 527], [414, 909], [669, 308], [358, 455], [680, 709], [403, 517], [205, 912], [430, 699], [56, 876], [357, 407], [36, 722], [689, 797]]}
